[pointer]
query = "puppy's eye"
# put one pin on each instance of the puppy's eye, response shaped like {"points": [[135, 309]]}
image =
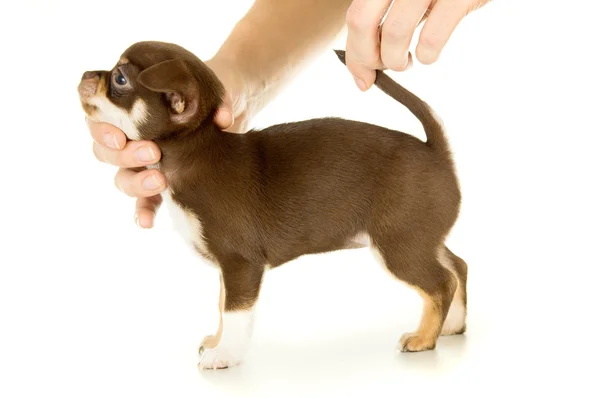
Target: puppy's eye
{"points": [[120, 79]]}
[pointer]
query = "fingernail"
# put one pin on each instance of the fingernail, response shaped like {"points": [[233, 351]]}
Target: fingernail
{"points": [[110, 140], [145, 154], [136, 219], [360, 83], [151, 183]]}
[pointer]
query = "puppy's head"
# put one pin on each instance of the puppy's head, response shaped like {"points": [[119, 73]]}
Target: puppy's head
{"points": [[155, 90]]}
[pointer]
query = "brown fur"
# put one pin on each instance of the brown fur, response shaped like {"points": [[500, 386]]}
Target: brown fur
{"points": [[269, 196]]}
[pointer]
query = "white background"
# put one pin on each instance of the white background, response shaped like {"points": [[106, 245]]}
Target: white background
{"points": [[92, 306]]}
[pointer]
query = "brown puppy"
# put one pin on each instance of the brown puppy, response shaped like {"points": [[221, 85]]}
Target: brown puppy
{"points": [[248, 202]]}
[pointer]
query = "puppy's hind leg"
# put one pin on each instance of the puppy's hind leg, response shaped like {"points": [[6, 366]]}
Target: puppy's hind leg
{"points": [[420, 269], [240, 287], [455, 322]]}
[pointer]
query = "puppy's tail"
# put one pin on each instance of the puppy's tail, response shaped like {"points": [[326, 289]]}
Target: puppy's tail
{"points": [[434, 131]]}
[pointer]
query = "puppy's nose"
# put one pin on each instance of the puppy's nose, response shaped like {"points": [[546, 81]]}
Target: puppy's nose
{"points": [[88, 85], [89, 75]]}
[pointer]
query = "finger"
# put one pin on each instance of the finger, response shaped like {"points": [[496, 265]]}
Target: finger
{"points": [[397, 32], [362, 45], [140, 184], [224, 117], [441, 23], [106, 134], [135, 154], [240, 126], [424, 17], [145, 211]]}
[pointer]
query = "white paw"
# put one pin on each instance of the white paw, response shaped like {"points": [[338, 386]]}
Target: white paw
{"points": [[231, 346], [219, 358]]}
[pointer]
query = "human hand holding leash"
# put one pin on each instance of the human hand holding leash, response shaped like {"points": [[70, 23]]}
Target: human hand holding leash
{"points": [[373, 45]]}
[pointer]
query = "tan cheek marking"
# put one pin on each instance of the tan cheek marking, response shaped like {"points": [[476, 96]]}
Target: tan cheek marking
{"points": [[101, 90], [88, 109]]}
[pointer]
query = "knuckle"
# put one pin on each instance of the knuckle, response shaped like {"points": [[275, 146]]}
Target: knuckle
{"points": [[358, 19], [397, 60], [373, 61], [427, 57], [395, 31], [357, 63], [127, 158], [125, 182], [431, 41], [396, 65]]}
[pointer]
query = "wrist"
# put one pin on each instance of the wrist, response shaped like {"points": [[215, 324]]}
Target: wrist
{"points": [[246, 88]]}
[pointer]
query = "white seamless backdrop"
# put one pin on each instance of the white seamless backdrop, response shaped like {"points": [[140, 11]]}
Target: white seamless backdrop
{"points": [[92, 306]]}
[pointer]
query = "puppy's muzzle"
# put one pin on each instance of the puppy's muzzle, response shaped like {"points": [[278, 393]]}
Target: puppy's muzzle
{"points": [[88, 85]]}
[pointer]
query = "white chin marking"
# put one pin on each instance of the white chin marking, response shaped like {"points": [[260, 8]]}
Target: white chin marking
{"points": [[128, 122], [234, 342]]}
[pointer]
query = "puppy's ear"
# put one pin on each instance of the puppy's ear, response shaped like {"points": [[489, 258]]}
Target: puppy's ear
{"points": [[175, 80]]}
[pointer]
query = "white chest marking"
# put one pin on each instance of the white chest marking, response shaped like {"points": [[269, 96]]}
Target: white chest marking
{"points": [[187, 225]]}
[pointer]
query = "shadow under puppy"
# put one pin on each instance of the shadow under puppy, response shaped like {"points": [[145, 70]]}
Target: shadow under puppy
{"points": [[254, 201]]}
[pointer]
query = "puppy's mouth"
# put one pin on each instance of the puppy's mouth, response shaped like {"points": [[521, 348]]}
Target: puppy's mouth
{"points": [[90, 110], [88, 89]]}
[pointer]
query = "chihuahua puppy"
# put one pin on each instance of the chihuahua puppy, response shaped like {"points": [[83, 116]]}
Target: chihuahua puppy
{"points": [[251, 202]]}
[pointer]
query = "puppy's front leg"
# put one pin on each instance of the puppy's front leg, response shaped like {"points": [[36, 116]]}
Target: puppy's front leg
{"points": [[240, 286]]}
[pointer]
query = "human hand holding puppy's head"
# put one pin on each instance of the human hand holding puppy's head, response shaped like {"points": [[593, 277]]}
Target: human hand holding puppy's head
{"points": [[155, 90]]}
